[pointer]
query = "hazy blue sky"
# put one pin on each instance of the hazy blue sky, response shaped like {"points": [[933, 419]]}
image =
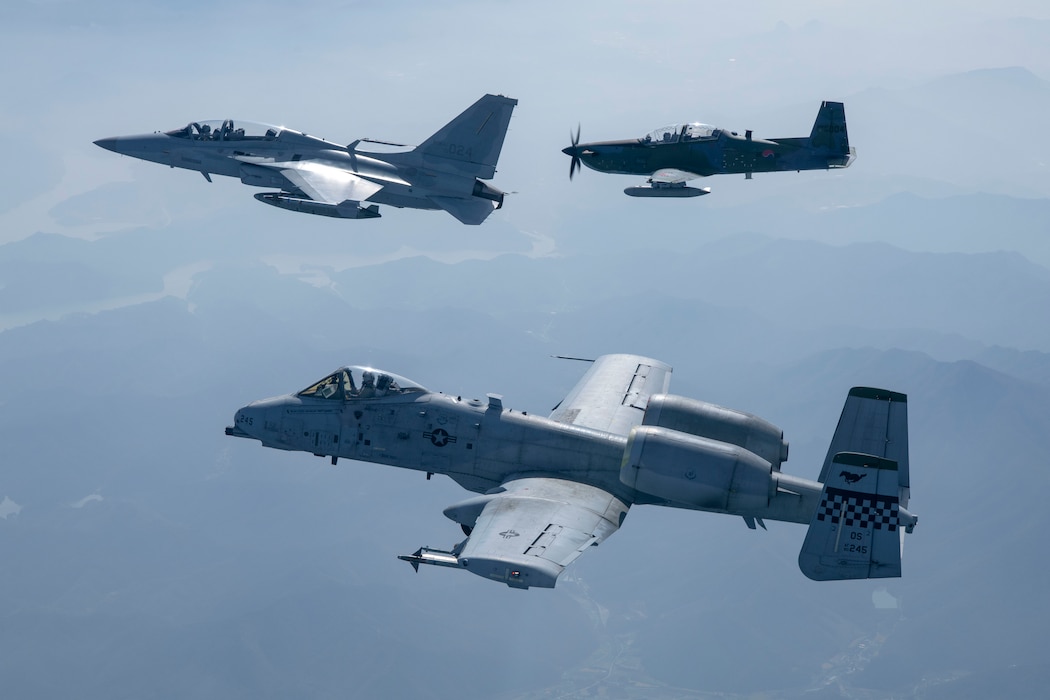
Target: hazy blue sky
{"points": [[344, 70]]}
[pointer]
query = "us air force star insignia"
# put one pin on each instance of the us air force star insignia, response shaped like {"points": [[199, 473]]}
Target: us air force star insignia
{"points": [[507, 534], [439, 437]]}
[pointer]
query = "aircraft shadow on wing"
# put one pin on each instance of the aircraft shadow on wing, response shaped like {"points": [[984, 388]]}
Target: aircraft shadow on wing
{"points": [[551, 487], [314, 176], [673, 155]]}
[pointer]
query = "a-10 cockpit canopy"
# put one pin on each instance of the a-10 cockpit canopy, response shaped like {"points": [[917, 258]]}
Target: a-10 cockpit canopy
{"points": [[357, 382], [682, 132], [227, 130]]}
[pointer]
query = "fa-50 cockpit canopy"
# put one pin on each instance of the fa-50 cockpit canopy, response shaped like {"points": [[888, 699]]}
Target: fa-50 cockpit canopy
{"points": [[227, 130], [358, 382], [682, 132]]}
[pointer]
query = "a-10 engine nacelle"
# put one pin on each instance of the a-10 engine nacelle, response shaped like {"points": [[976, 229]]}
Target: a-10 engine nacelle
{"points": [[701, 455], [718, 423], [695, 472]]}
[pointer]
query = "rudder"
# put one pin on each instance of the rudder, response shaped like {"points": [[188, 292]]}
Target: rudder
{"points": [[856, 530]]}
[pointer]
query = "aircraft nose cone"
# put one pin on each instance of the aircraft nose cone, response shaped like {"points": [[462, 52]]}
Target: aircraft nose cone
{"points": [[568, 150], [109, 144], [246, 421]]}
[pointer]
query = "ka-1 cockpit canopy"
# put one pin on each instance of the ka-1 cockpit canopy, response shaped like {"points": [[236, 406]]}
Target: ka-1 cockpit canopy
{"points": [[682, 132], [357, 382], [227, 130]]}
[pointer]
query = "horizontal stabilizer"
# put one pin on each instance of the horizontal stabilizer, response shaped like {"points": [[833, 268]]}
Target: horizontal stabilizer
{"points": [[471, 211], [856, 529]]}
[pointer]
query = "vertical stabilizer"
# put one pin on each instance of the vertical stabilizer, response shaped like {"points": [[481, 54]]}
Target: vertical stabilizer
{"points": [[829, 130], [857, 529], [471, 143], [874, 422]]}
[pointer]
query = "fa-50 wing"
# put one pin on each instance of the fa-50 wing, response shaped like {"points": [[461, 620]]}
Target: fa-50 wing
{"points": [[327, 184], [549, 488]]}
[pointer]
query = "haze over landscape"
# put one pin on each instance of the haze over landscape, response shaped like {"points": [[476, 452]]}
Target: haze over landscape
{"points": [[146, 554]]}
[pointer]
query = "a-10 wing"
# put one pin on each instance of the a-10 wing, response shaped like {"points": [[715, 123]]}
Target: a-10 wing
{"points": [[534, 527], [529, 532], [612, 395]]}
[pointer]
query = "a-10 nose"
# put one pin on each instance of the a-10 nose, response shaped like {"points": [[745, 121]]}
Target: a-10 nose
{"points": [[246, 422]]}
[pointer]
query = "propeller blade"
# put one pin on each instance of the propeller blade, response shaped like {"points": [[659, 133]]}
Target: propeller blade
{"points": [[574, 165]]}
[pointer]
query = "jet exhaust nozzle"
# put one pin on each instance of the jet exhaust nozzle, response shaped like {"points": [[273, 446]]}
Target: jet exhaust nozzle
{"points": [[345, 210], [487, 191]]}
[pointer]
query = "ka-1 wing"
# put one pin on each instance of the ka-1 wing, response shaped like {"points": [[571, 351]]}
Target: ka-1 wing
{"points": [[531, 530], [612, 396], [671, 176]]}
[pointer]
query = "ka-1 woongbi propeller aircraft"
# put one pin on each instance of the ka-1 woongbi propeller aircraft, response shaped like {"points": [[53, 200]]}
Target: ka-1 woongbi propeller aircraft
{"points": [[315, 176], [550, 488], [675, 154]]}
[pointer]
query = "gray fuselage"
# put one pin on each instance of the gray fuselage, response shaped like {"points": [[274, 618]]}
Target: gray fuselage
{"points": [[406, 179], [479, 445]]}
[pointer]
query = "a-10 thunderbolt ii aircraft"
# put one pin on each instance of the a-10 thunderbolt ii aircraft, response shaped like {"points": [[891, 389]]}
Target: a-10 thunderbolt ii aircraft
{"points": [[675, 154], [549, 488], [315, 176]]}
